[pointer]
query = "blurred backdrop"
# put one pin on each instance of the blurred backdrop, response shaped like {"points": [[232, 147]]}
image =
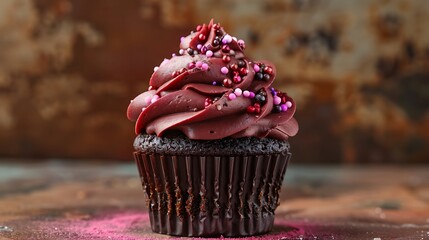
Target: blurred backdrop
{"points": [[359, 71]]}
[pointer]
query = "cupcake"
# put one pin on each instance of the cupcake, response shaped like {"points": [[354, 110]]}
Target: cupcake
{"points": [[212, 139]]}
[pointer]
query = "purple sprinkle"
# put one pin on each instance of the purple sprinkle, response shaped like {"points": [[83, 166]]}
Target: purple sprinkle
{"points": [[224, 70], [199, 46], [256, 68], [214, 83], [284, 107], [252, 95], [182, 38], [204, 67]]}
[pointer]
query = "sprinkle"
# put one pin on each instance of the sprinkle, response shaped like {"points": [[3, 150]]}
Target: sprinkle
{"points": [[224, 70], [191, 65], [284, 107], [277, 100], [199, 46], [147, 100], [226, 49], [289, 104], [203, 49], [256, 68], [154, 98], [236, 79], [209, 53], [226, 39], [238, 92], [181, 51], [155, 68], [252, 95], [173, 55], [226, 58], [182, 38], [246, 93], [218, 107], [143, 109], [243, 71], [202, 37], [227, 82], [204, 67], [241, 43], [250, 109], [232, 96], [198, 64], [214, 83]]}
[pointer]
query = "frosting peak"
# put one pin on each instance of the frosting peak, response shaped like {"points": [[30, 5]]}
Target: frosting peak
{"points": [[210, 90]]}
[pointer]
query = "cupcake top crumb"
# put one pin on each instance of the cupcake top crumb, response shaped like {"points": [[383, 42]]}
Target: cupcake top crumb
{"points": [[210, 90]]}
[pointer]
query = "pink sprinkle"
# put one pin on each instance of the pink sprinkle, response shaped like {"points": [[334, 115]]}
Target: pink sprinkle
{"points": [[154, 98], [199, 64], [246, 93], [277, 100], [232, 96], [241, 43], [284, 107], [238, 92], [209, 53], [204, 67], [155, 68], [181, 51], [191, 65], [252, 95], [256, 68], [224, 70], [199, 46], [182, 38], [226, 39], [288, 104], [147, 100], [173, 55]]}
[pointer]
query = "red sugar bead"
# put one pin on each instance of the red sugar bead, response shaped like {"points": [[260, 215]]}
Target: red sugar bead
{"points": [[226, 58]]}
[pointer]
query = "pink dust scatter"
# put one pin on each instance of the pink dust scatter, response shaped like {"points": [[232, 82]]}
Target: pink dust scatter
{"points": [[117, 226]]}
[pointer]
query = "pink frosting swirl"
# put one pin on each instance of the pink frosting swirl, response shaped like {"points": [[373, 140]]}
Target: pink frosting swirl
{"points": [[212, 91]]}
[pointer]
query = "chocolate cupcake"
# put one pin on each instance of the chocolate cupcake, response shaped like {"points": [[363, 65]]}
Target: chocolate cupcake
{"points": [[212, 139]]}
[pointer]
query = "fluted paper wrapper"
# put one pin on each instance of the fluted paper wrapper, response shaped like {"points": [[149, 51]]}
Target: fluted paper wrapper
{"points": [[191, 195]]}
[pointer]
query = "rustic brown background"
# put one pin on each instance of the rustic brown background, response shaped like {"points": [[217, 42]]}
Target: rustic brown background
{"points": [[358, 70]]}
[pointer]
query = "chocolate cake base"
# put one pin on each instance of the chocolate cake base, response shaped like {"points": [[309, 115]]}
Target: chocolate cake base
{"points": [[208, 193]]}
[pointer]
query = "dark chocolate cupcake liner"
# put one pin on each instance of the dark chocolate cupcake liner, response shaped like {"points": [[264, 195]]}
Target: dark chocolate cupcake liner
{"points": [[191, 195]]}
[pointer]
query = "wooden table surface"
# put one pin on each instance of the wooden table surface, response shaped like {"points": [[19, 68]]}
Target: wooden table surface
{"points": [[103, 200]]}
